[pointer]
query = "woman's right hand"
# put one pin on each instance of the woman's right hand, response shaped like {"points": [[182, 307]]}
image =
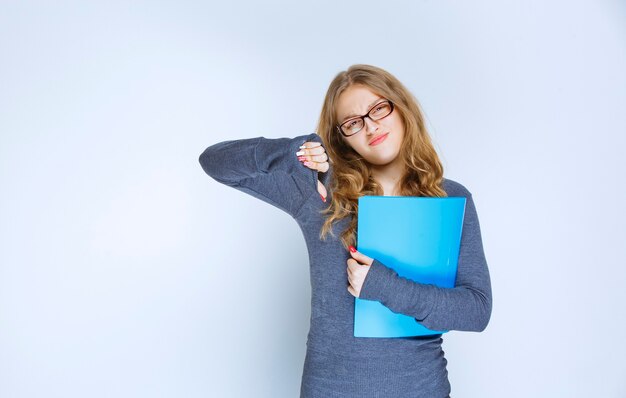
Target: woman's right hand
{"points": [[313, 155]]}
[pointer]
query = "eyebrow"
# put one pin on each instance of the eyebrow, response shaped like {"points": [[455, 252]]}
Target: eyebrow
{"points": [[368, 107]]}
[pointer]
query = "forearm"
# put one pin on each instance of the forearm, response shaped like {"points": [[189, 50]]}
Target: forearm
{"points": [[266, 168], [233, 160], [466, 306], [230, 161]]}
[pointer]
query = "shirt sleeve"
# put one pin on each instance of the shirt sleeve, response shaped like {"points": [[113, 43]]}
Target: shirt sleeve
{"points": [[265, 168], [466, 306]]}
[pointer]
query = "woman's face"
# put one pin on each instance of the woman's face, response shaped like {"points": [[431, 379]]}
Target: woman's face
{"points": [[357, 100]]}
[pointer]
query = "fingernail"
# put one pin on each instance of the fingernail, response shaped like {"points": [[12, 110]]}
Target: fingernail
{"points": [[302, 146], [352, 249], [323, 198], [300, 153], [301, 158]]}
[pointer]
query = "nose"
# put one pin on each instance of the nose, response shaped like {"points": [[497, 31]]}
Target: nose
{"points": [[370, 125]]}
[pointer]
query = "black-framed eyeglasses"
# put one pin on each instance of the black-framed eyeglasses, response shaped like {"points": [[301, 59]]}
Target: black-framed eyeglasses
{"points": [[355, 124]]}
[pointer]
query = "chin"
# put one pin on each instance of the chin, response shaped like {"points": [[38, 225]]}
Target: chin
{"points": [[381, 160]]}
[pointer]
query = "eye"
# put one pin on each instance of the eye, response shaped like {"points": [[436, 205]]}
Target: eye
{"points": [[380, 109], [350, 123]]}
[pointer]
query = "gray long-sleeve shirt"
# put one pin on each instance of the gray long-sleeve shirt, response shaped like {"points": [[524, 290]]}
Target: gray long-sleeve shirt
{"points": [[337, 363]]}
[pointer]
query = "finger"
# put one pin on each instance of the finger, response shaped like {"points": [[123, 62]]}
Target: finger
{"points": [[356, 260], [355, 268], [310, 146], [313, 153], [319, 166], [311, 165], [319, 158], [322, 167], [317, 150], [321, 188], [361, 258], [307, 149]]}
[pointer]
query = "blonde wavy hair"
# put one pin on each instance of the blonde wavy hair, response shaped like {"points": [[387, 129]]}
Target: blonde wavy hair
{"points": [[351, 177]]}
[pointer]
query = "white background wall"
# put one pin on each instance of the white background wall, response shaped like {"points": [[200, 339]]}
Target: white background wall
{"points": [[125, 271]]}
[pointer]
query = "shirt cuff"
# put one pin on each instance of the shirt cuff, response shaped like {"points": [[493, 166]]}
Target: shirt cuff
{"points": [[401, 295], [376, 281]]}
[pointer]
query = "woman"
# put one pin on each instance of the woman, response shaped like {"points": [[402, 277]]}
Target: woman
{"points": [[374, 143]]}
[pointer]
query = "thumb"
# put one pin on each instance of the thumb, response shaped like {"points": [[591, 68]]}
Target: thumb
{"points": [[360, 257]]}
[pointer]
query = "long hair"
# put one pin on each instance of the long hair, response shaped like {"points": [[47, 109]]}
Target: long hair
{"points": [[351, 176]]}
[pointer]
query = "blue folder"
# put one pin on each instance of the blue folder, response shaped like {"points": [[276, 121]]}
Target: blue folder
{"points": [[419, 238]]}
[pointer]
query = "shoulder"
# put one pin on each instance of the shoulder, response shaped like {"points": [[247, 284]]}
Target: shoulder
{"points": [[454, 188]]}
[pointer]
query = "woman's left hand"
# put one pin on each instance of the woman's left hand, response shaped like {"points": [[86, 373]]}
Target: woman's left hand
{"points": [[358, 267]]}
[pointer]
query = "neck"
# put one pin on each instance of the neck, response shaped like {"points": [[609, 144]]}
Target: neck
{"points": [[389, 175]]}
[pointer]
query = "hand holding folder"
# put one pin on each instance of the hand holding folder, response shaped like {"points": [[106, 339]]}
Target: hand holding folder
{"points": [[419, 238]]}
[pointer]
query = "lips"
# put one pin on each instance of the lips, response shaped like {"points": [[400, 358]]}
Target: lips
{"points": [[378, 139]]}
